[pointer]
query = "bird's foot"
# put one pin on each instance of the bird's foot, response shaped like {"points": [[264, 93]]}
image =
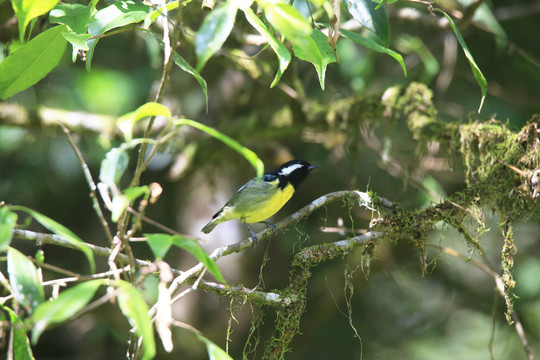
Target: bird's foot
{"points": [[253, 236], [270, 225]]}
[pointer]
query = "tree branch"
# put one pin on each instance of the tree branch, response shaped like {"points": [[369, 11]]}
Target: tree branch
{"points": [[42, 238], [364, 199]]}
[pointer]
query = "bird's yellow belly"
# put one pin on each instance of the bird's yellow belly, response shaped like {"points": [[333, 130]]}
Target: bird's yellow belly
{"points": [[270, 207]]}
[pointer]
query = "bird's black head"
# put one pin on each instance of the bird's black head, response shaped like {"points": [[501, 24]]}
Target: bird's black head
{"points": [[293, 172]]}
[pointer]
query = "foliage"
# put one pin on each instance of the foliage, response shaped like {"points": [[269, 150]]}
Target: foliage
{"points": [[334, 125]]}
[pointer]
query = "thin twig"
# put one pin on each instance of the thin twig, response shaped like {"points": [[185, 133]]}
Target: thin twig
{"points": [[112, 259], [102, 275], [90, 181], [159, 225], [190, 289], [41, 238], [163, 82]]}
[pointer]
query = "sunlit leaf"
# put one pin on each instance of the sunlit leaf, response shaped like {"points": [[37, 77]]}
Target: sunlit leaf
{"points": [[127, 121], [281, 51], [119, 14], [32, 61], [170, 6], [373, 18], [319, 53], [287, 20], [26, 10], [480, 79], [135, 310], [375, 46], [24, 280], [61, 230], [213, 32], [21, 345], [8, 219], [75, 16], [64, 307], [233, 144]]}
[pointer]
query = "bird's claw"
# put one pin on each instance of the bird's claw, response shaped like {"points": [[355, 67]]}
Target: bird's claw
{"points": [[270, 225]]}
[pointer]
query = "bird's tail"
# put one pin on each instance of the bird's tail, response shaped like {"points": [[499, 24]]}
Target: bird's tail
{"points": [[209, 227]]}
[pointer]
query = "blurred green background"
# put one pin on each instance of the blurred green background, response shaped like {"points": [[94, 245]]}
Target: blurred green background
{"points": [[450, 312]]}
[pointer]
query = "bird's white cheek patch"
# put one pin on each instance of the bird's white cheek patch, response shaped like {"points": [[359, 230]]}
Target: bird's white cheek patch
{"points": [[289, 169]]}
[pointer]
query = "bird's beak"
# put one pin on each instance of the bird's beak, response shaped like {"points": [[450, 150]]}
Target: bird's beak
{"points": [[312, 167]]}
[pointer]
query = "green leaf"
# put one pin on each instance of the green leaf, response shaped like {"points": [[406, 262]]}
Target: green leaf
{"points": [[127, 121], [196, 250], [8, 219], [31, 62], [185, 66], [159, 244], [119, 14], [233, 144], [79, 41], [319, 53], [214, 351], [63, 308], [26, 10], [25, 282], [375, 46], [480, 79], [135, 310], [213, 32], [134, 192], [281, 51], [61, 230], [287, 20], [113, 166], [291, 24], [75, 16], [21, 345], [373, 18]]}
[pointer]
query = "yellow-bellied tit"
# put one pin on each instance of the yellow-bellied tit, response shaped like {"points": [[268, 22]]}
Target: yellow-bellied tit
{"points": [[257, 200]]}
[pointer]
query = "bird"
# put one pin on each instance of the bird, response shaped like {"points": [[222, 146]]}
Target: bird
{"points": [[259, 199]]}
